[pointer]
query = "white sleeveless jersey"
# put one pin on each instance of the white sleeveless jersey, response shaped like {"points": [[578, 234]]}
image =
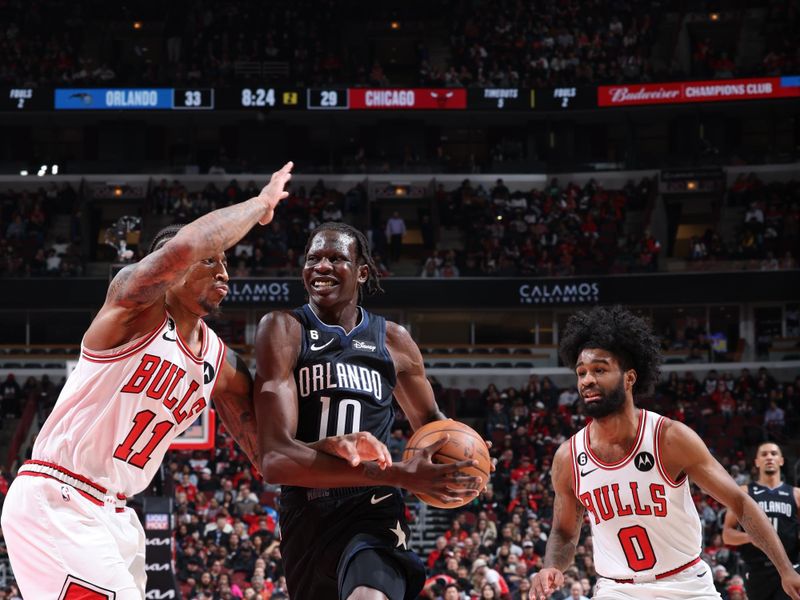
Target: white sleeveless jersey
{"points": [[643, 523], [120, 409]]}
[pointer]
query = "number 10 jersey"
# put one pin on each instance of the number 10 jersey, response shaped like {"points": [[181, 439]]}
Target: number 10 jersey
{"points": [[344, 379]]}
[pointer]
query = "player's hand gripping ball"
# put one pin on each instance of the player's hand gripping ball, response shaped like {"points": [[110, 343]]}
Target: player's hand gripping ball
{"points": [[464, 444]]}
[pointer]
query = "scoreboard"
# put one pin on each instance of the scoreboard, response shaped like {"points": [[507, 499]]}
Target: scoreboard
{"points": [[266, 98]]}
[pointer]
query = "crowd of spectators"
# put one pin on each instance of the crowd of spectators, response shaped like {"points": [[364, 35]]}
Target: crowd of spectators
{"points": [[560, 230], [491, 43], [548, 43], [228, 529], [28, 245], [768, 238]]}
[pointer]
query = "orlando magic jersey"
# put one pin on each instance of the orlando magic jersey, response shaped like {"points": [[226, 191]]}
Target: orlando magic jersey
{"points": [[781, 510], [344, 379]]}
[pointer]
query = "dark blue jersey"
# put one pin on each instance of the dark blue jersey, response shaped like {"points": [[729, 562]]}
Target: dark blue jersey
{"points": [[781, 510], [344, 380]]}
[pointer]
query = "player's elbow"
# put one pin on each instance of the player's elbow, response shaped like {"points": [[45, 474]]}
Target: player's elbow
{"points": [[274, 467]]}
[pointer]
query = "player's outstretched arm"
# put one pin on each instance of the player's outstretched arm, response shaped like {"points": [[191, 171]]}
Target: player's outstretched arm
{"points": [[684, 451], [563, 539], [138, 287], [413, 390], [285, 460]]}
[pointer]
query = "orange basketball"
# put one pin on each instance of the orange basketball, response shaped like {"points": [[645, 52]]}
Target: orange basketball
{"points": [[464, 444]]}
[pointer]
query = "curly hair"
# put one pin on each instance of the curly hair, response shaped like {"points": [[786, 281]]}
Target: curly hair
{"points": [[163, 236], [372, 285], [617, 330]]}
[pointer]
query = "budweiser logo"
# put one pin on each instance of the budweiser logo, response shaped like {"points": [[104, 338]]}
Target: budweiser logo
{"points": [[621, 95]]}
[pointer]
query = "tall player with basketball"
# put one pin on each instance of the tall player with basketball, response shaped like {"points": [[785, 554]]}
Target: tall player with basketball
{"points": [[780, 502], [148, 366], [330, 367], [630, 469]]}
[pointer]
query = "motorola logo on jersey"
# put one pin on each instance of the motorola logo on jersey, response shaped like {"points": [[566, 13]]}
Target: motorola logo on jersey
{"points": [[321, 376], [644, 461], [208, 372]]}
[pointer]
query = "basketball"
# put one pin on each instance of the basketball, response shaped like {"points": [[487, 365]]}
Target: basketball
{"points": [[464, 444]]}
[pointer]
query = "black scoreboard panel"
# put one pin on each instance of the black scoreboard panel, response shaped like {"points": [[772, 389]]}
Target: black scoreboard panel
{"points": [[563, 98], [25, 98], [328, 99], [260, 98], [193, 99]]}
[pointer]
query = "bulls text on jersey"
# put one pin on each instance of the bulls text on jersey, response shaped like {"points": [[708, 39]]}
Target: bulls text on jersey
{"points": [[158, 378], [609, 501]]}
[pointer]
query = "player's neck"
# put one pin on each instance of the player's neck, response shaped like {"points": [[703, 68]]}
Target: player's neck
{"points": [[187, 323], [616, 429], [345, 316], [770, 480]]}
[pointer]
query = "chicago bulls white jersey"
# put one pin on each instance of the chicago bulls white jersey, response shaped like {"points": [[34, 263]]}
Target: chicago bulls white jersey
{"points": [[643, 523], [120, 409]]}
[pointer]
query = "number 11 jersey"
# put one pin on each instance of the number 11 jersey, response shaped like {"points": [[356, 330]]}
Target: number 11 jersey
{"points": [[344, 379]]}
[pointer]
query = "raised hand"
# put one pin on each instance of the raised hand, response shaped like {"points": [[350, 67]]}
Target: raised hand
{"points": [[791, 585], [445, 482], [274, 191]]}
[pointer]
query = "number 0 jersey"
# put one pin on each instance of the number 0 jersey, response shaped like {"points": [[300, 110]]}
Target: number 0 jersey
{"points": [[344, 380], [643, 523], [120, 409]]}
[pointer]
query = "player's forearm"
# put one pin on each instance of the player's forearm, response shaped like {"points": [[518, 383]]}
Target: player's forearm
{"points": [[295, 463], [220, 229], [763, 535], [560, 551], [237, 416], [735, 537]]}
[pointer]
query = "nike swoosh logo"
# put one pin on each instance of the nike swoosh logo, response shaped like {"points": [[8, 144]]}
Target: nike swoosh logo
{"points": [[375, 500], [701, 574], [590, 471], [315, 347], [169, 339], [757, 492]]}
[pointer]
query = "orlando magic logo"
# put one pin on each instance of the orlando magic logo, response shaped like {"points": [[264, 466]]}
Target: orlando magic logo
{"points": [[644, 461]]}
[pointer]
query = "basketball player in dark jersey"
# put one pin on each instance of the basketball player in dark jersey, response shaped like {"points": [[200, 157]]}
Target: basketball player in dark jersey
{"points": [[327, 368], [779, 501]]}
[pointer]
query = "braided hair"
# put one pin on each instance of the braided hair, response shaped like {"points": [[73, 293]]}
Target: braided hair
{"points": [[617, 330], [372, 285], [163, 236]]}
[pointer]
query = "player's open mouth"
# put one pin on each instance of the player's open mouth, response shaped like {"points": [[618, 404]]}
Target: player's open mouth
{"points": [[593, 397], [323, 284]]}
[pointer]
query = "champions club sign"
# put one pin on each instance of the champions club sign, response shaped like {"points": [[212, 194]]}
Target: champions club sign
{"points": [[572, 292], [680, 92]]}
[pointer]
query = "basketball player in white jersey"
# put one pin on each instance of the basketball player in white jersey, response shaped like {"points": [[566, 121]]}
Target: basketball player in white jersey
{"points": [[148, 366], [630, 469]]}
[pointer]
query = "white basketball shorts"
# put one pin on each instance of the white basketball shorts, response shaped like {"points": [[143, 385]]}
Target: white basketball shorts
{"points": [[693, 583], [64, 546]]}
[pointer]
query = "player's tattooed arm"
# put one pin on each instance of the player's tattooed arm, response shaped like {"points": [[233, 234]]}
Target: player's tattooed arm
{"points": [[202, 239], [682, 450], [731, 534], [233, 401], [567, 513]]}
